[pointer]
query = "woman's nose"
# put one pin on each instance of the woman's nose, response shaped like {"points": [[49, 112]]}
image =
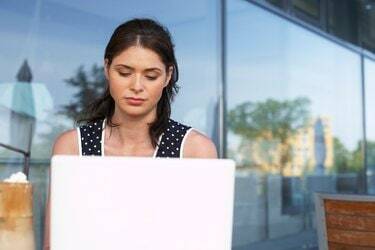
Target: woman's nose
{"points": [[137, 85]]}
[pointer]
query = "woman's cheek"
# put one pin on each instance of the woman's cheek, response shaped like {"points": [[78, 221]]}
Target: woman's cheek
{"points": [[114, 91], [157, 93]]}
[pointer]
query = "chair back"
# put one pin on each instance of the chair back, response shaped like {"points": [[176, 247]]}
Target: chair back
{"points": [[345, 221]]}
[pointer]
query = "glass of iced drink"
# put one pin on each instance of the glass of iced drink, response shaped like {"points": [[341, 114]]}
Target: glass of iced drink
{"points": [[16, 216]]}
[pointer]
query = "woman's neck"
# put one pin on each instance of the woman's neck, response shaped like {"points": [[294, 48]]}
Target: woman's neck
{"points": [[132, 130]]}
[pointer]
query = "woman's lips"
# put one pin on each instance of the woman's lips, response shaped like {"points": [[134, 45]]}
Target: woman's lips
{"points": [[134, 101]]}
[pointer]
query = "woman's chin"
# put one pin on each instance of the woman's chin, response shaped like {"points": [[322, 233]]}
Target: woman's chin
{"points": [[136, 111]]}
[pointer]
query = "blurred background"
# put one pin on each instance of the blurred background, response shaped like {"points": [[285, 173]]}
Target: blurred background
{"points": [[286, 88]]}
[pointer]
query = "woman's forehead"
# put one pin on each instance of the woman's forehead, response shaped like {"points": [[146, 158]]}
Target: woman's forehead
{"points": [[137, 56]]}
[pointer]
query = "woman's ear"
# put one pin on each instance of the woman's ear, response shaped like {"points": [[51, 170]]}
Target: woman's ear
{"points": [[169, 76], [106, 66]]}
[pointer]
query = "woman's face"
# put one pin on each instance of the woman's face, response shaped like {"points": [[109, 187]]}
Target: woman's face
{"points": [[136, 78]]}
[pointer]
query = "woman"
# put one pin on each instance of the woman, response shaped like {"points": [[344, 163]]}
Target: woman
{"points": [[132, 118]]}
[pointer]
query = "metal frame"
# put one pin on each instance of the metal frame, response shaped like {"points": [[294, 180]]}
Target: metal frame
{"points": [[364, 135], [26, 154], [321, 216], [223, 80]]}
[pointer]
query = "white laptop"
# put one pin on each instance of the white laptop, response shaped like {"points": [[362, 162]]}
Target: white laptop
{"points": [[141, 203]]}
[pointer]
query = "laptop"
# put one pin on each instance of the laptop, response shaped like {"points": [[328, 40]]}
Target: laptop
{"points": [[141, 203]]}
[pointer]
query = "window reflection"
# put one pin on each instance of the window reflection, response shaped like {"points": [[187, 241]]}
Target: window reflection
{"points": [[287, 89], [278, 3], [309, 7], [63, 43]]}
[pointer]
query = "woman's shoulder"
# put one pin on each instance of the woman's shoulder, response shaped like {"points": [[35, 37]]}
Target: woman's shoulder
{"points": [[66, 143], [196, 143]]}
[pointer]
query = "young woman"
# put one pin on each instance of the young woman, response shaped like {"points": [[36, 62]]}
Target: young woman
{"points": [[132, 118]]}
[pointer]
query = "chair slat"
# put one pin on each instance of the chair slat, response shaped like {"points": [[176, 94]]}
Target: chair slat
{"points": [[335, 246], [348, 222], [355, 238], [362, 208]]}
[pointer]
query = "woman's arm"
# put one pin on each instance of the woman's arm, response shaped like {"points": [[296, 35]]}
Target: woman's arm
{"points": [[197, 145], [65, 144]]}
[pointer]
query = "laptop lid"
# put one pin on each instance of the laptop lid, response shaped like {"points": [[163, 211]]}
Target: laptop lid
{"points": [[141, 203]]}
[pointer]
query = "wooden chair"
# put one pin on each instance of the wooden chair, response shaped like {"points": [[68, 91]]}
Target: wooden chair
{"points": [[345, 221]]}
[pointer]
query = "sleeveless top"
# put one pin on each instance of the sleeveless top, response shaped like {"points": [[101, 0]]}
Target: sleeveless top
{"points": [[170, 143]]}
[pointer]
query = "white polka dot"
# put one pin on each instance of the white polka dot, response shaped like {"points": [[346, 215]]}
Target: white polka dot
{"points": [[172, 143], [98, 151], [84, 130], [177, 149], [94, 146], [172, 153], [89, 149], [167, 147], [167, 138], [93, 132], [95, 123], [82, 138], [90, 126], [172, 134], [91, 140], [163, 152], [167, 129], [162, 142], [85, 143], [172, 126], [178, 131], [97, 137], [88, 134], [176, 139]]}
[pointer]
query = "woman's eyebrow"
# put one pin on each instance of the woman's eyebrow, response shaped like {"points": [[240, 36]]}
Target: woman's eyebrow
{"points": [[153, 69], [131, 68], [124, 66]]}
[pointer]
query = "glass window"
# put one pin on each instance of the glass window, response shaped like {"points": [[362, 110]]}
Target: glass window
{"points": [[56, 47], [287, 90], [309, 7], [343, 19], [367, 23], [278, 3]]}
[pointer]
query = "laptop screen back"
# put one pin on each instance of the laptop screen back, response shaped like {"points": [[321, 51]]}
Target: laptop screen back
{"points": [[141, 203]]}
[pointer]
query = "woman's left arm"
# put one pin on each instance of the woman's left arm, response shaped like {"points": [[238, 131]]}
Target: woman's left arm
{"points": [[197, 145]]}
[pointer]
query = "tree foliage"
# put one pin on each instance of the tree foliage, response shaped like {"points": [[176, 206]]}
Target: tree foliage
{"points": [[89, 85], [270, 120]]}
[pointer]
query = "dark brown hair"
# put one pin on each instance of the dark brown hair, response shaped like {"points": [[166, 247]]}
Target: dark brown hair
{"points": [[151, 35]]}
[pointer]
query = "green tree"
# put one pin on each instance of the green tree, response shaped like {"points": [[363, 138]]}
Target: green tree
{"points": [[341, 157], [356, 158], [271, 121], [371, 154], [346, 161], [89, 85]]}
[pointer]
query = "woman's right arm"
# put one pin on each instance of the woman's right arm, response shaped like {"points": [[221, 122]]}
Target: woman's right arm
{"points": [[65, 144]]}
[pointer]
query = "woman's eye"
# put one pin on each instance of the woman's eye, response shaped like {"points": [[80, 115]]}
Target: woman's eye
{"points": [[123, 74], [151, 77]]}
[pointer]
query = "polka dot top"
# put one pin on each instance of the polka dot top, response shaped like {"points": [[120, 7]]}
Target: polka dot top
{"points": [[170, 144]]}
